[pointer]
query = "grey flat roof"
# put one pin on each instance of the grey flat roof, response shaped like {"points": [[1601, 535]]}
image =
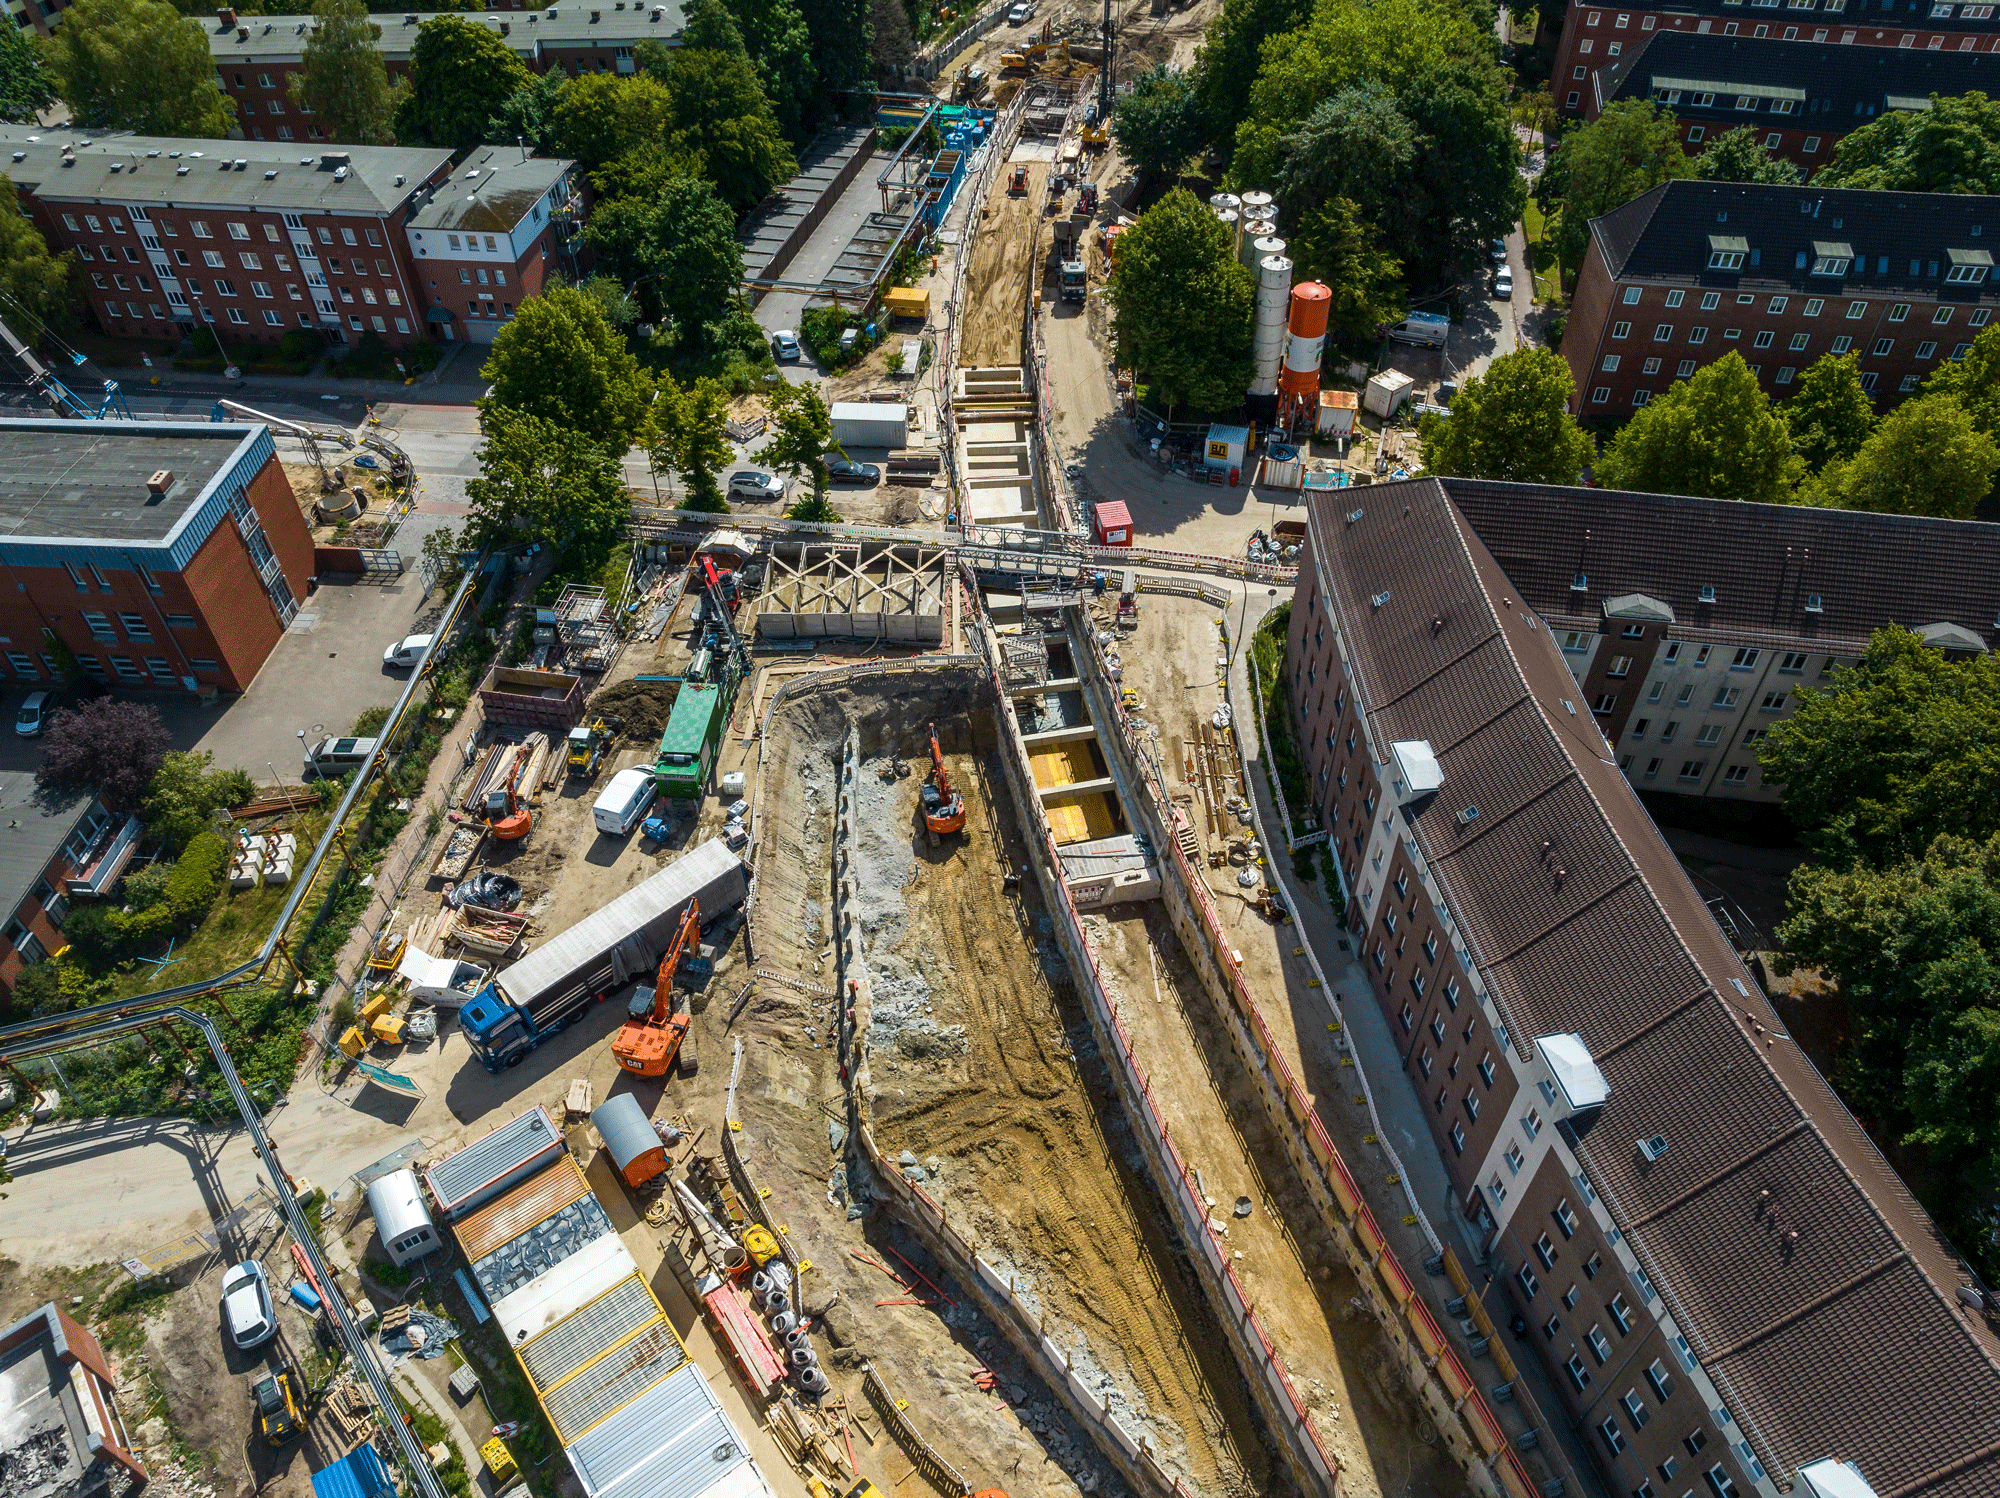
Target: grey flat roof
{"points": [[33, 828], [278, 38], [41, 1423], [491, 190], [87, 479], [118, 168]]}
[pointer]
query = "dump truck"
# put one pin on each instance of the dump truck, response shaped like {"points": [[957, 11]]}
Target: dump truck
{"points": [[548, 990], [687, 748], [1073, 280]]}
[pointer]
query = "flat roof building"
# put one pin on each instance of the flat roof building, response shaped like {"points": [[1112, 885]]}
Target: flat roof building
{"points": [[61, 1434]]}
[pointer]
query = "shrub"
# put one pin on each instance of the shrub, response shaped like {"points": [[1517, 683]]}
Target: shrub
{"points": [[299, 344], [197, 878], [114, 748], [370, 720], [185, 793], [147, 887]]}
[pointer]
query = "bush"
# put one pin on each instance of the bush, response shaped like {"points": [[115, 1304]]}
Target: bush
{"points": [[197, 878], [373, 359], [299, 344], [370, 720], [147, 887], [185, 794]]}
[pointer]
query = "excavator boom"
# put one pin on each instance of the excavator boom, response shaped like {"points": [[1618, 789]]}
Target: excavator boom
{"points": [[944, 807], [646, 1044]]}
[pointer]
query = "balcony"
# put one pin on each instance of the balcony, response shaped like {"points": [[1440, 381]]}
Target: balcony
{"points": [[104, 860]]}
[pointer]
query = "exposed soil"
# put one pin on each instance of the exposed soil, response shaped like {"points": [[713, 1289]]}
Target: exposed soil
{"points": [[644, 705], [1004, 264]]}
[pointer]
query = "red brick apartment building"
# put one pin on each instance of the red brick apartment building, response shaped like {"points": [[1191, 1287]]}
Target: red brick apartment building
{"points": [[1730, 1288], [255, 238], [254, 55], [1593, 36], [1799, 98], [62, 1435], [1692, 270]]}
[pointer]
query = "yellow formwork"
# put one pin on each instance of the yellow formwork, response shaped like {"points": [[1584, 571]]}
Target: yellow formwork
{"points": [[1063, 764], [1082, 820]]}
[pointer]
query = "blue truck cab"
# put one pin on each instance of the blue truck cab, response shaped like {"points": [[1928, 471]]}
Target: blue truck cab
{"points": [[499, 1033]]}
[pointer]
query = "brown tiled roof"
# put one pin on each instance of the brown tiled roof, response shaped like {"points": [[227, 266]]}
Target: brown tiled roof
{"points": [[1762, 561], [1847, 1339]]}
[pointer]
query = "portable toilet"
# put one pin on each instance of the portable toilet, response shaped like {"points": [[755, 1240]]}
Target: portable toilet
{"points": [[628, 1134], [400, 1219], [1112, 522]]}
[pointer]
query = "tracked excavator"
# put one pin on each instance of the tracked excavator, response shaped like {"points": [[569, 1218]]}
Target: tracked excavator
{"points": [[506, 814], [944, 807], [650, 1039]]}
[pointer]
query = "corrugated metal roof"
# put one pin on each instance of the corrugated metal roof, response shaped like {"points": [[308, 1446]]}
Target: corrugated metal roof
{"points": [[545, 1303], [614, 1380], [457, 1178], [672, 1442], [541, 1196], [626, 1131], [359, 1474], [567, 1346]]}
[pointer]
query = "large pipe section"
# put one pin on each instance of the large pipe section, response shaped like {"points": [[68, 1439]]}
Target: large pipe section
{"points": [[1305, 341], [1267, 344]]}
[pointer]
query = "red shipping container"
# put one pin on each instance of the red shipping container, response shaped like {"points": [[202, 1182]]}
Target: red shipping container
{"points": [[1113, 523]]}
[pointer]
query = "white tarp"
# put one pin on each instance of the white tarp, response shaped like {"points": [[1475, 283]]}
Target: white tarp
{"points": [[449, 981]]}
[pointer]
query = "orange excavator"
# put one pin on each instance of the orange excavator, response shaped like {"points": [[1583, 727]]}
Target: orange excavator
{"points": [[944, 807], [506, 815], [650, 1039]]}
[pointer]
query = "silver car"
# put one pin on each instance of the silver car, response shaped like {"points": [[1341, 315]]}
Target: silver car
{"points": [[246, 1305], [757, 488]]}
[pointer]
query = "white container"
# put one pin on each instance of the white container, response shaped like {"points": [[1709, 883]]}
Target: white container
{"points": [[1386, 391], [241, 878], [279, 872], [732, 783]]}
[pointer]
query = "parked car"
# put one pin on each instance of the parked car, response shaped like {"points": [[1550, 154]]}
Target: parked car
{"points": [[1503, 283], [847, 471], [1497, 248], [406, 651], [758, 488], [1018, 15], [34, 714], [785, 345], [246, 1305]]}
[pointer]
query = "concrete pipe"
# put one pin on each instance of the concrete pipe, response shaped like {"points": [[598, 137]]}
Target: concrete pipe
{"points": [[778, 1303], [804, 1357], [782, 1322], [760, 1282], [811, 1380], [798, 1336]]}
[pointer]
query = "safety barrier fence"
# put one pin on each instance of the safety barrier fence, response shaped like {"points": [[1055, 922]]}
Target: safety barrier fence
{"points": [[923, 1456], [935, 59], [1429, 1364]]}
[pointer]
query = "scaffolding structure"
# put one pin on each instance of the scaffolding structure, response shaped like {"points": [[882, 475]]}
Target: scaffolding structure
{"points": [[587, 628]]}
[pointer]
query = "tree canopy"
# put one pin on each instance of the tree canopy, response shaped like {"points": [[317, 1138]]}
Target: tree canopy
{"points": [[1183, 304], [103, 745], [560, 361], [459, 71], [600, 116], [1225, 66], [29, 274], [137, 65], [1830, 415], [542, 482], [1974, 381], [341, 78], [26, 84], [676, 246], [1925, 458], [1716, 435], [1339, 246], [528, 114], [1739, 156], [801, 435], [1158, 123], [780, 44], [1953, 146], [692, 438], [1630, 148], [722, 124], [1511, 423]]}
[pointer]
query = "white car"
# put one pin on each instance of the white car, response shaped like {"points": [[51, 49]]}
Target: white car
{"points": [[246, 1305], [406, 651], [34, 714], [757, 488], [1503, 284], [785, 345]]}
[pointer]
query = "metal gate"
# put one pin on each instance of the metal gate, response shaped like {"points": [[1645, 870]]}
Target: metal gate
{"points": [[382, 561]]}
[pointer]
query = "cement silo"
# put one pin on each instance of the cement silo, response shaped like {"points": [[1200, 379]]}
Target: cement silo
{"points": [[1257, 204], [1267, 344], [1305, 342], [1246, 247]]}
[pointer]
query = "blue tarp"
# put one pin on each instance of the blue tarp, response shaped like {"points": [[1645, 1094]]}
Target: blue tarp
{"points": [[359, 1474]]}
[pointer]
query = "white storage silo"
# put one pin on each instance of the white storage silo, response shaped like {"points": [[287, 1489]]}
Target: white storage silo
{"points": [[1267, 344], [1259, 204], [1254, 229]]}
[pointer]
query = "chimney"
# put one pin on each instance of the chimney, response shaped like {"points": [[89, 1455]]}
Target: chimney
{"points": [[226, 16], [506, 28], [336, 158], [160, 482], [243, 33]]}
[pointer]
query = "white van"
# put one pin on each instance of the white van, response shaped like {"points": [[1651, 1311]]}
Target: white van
{"points": [[335, 757], [1427, 328], [622, 803]]}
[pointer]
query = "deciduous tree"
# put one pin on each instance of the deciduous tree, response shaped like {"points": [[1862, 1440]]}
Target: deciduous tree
{"points": [[26, 84], [459, 71], [1632, 147], [676, 247], [842, 33], [801, 435], [541, 482], [560, 361], [1157, 124], [186, 791], [1738, 156], [1830, 416], [1357, 145], [113, 748], [1511, 423], [1974, 381], [1225, 66], [601, 116], [528, 114], [1925, 458], [1953, 146], [341, 78], [1716, 435], [691, 438], [779, 43], [29, 274], [137, 65], [1183, 304], [722, 121], [1340, 247]]}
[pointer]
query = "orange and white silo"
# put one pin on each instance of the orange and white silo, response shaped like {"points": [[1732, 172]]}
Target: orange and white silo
{"points": [[1298, 377]]}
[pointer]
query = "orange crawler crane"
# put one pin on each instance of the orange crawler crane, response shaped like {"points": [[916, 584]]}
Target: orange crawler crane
{"points": [[649, 1040], [505, 814], [944, 808]]}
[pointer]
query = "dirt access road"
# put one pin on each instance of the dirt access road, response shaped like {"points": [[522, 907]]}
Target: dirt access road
{"points": [[1006, 263]]}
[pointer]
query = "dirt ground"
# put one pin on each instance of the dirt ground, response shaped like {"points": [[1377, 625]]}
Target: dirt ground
{"points": [[1006, 260]]}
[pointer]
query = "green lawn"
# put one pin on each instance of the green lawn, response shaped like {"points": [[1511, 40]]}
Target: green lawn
{"points": [[1548, 276]]}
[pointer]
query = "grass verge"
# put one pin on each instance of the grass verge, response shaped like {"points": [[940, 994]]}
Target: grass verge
{"points": [[1267, 657]]}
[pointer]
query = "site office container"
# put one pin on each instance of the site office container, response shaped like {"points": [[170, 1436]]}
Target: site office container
{"points": [[687, 748], [463, 1182]]}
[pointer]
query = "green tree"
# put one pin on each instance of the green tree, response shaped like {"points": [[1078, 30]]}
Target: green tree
{"points": [[1158, 123], [1630, 148], [801, 435], [815, 508], [722, 121], [560, 361], [601, 116], [528, 114], [1974, 381], [29, 275], [541, 482], [1891, 753], [1511, 423], [341, 78], [26, 84], [1225, 66], [1466, 184], [620, 309], [676, 247], [1925, 458], [1739, 156], [1830, 415], [457, 70], [1183, 304], [1953, 146], [1716, 435], [1915, 947], [137, 65], [842, 32], [775, 33], [691, 439], [1357, 145], [186, 791], [1336, 245]]}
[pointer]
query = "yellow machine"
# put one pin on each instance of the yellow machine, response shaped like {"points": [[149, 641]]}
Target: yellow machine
{"points": [[277, 1406], [374, 1021], [499, 1461], [589, 743]]}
